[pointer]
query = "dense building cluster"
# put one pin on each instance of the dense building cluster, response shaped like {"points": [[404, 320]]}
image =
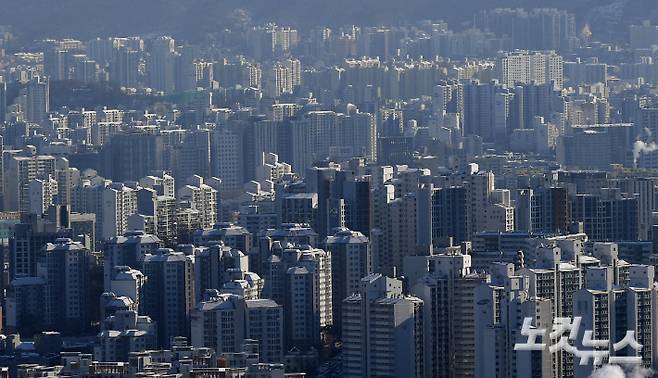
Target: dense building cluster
{"points": [[393, 201]]}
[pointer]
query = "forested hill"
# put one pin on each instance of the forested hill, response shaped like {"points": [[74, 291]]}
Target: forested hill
{"points": [[33, 19]]}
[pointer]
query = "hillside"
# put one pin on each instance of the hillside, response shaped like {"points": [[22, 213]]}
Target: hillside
{"points": [[191, 19]]}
